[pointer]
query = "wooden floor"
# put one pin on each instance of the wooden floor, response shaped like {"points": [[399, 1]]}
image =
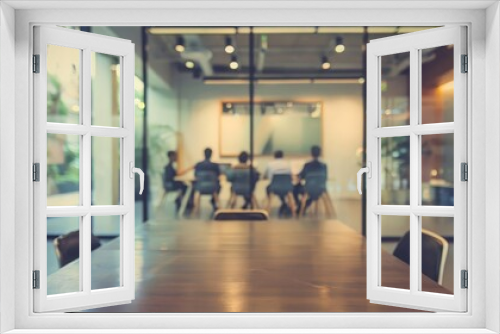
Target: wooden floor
{"points": [[274, 266]]}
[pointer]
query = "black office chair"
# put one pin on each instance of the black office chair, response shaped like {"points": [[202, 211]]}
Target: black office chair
{"points": [[207, 183], [281, 185], [238, 214], [315, 190], [242, 184], [434, 253], [68, 247]]}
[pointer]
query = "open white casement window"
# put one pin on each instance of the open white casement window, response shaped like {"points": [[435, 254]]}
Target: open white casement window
{"points": [[416, 167], [84, 156]]}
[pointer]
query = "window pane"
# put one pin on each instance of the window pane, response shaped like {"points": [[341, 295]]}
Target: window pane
{"points": [[105, 171], [437, 254], [63, 84], [395, 170], [105, 89], [395, 89], [437, 84], [395, 255], [63, 251], [63, 169], [437, 170], [105, 258]]}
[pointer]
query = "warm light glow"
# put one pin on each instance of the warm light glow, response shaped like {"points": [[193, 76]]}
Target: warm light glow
{"points": [[229, 49], [448, 86], [361, 80], [142, 105], [326, 66], [340, 48], [234, 65], [75, 108], [434, 172], [189, 64], [180, 48]]}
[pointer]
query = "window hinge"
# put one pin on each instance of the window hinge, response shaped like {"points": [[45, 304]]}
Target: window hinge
{"points": [[464, 168], [465, 279], [36, 63], [36, 172], [465, 64], [36, 279]]}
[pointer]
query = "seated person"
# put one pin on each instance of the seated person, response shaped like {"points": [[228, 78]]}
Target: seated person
{"points": [[254, 174], [313, 166], [278, 166], [207, 165], [170, 183]]}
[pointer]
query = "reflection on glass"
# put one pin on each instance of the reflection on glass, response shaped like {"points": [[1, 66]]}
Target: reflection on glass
{"points": [[437, 254], [63, 250], [437, 169], [63, 169], [105, 89], [274, 124], [395, 170], [105, 171], [395, 89], [395, 255], [63, 84], [105, 261], [437, 84]]}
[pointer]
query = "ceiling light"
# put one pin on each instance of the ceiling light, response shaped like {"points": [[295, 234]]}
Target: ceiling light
{"points": [[361, 80], [229, 48], [325, 64], [179, 44], [340, 47], [234, 63], [189, 64]]}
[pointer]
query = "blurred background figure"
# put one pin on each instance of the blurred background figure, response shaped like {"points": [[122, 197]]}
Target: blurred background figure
{"points": [[311, 168]]}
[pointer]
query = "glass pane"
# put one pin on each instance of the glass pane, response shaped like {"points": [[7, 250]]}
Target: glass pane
{"points": [[63, 169], [437, 169], [63, 251], [63, 84], [395, 255], [395, 171], [395, 89], [437, 84], [105, 89], [105, 259], [105, 171], [437, 254]]}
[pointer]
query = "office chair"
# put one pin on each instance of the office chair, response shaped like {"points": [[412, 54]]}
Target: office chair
{"points": [[207, 183], [168, 188], [315, 190], [68, 247], [242, 184], [434, 253], [281, 185]]}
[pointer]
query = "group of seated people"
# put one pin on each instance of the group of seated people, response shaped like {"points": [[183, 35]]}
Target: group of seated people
{"points": [[274, 169]]}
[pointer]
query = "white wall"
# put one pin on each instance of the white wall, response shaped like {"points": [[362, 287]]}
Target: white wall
{"points": [[200, 107]]}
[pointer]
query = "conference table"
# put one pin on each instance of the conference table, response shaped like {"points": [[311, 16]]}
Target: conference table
{"points": [[244, 266]]}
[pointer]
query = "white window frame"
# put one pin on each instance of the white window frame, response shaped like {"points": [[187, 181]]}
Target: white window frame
{"points": [[413, 43], [483, 100], [85, 43]]}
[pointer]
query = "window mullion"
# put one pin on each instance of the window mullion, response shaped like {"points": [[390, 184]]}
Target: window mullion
{"points": [[414, 169], [86, 167]]}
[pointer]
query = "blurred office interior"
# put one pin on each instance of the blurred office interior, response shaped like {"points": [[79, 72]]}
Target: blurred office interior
{"points": [[196, 88]]}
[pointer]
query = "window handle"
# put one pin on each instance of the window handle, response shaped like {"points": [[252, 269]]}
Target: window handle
{"points": [[368, 171], [134, 170]]}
